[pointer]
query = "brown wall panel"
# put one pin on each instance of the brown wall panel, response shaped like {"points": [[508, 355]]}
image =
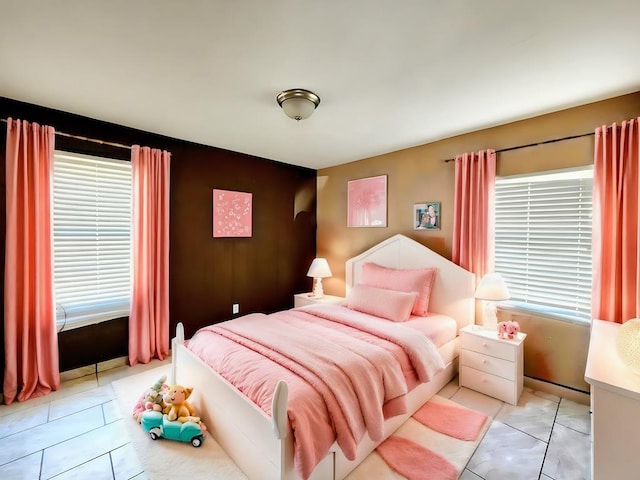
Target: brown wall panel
{"points": [[207, 275]]}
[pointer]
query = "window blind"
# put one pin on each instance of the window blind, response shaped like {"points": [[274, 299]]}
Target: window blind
{"points": [[543, 240], [91, 238]]}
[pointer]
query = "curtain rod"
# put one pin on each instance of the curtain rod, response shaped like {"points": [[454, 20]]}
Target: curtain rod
{"points": [[535, 144], [86, 139]]}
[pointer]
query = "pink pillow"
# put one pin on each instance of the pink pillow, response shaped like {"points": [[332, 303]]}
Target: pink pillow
{"points": [[418, 280], [390, 304]]}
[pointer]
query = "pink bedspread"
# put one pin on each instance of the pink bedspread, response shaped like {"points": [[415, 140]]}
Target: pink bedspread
{"points": [[346, 371]]}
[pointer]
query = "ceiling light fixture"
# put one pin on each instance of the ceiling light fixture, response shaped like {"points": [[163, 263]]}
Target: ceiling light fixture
{"points": [[298, 103]]}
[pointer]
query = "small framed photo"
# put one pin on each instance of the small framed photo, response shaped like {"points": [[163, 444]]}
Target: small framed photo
{"points": [[426, 216]]}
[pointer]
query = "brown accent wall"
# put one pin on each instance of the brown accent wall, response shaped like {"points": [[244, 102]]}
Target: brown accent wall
{"points": [[207, 275], [418, 174]]}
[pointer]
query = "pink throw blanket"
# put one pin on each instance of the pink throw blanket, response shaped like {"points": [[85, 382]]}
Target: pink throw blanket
{"points": [[344, 370]]}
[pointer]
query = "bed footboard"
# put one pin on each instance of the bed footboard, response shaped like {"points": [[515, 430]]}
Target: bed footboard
{"points": [[258, 444]]}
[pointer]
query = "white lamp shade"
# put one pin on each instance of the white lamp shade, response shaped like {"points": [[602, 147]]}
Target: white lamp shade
{"points": [[298, 108], [628, 344], [492, 287], [319, 268]]}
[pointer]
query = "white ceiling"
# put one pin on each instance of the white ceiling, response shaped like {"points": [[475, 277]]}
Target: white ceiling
{"points": [[390, 74]]}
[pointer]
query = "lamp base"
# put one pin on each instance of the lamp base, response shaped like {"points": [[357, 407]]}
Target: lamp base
{"points": [[317, 288], [490, 317]]}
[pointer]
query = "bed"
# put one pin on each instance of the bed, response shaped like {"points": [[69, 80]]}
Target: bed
{"points": [[262, 444]]}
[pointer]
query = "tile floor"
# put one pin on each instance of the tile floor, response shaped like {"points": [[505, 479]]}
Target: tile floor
{"points": [[78, 433]]}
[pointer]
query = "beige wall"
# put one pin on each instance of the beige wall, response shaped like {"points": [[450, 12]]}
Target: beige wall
{"points": [[418, 174]]}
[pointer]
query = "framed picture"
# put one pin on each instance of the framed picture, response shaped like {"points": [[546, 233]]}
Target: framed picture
{"points": [[367, 202], [231, 214], [426, 216]]}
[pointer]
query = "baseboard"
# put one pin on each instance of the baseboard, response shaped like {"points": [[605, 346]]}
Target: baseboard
{"points": [[113, 363], [93, 369], [564, 392]]}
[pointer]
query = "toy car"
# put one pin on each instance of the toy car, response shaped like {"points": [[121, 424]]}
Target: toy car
{"points": [[158, 425]]}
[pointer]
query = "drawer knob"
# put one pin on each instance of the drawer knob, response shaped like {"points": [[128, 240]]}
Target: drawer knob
{"points": [[485, 345], [484, 361]]}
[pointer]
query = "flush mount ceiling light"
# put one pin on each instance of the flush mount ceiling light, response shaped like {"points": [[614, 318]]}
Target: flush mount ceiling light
{"points": [[298, 103]]}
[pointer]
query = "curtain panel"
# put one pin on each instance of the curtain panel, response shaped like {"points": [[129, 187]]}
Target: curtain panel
{"points": [[149, 315], [31, 342], [616, 258], [473, 221]]}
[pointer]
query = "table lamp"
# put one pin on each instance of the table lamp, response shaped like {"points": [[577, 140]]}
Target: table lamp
{"points": [[319, 269], [492, 289]]}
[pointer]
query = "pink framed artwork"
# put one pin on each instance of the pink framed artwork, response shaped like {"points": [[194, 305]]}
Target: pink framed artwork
{"points": [[231, 213], [367, 202]]}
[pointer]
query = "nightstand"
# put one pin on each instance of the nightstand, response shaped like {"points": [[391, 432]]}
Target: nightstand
{"points": [[302, 299], [491, 365]]}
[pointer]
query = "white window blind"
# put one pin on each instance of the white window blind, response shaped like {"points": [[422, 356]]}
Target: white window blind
{"points": [[543, 240], [91, 238]]}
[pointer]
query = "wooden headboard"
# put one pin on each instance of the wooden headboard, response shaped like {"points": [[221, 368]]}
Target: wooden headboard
{"points": [[454, 287]]}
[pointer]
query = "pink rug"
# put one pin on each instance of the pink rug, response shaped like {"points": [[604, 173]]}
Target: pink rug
{"points": [[414, 461], [435, 444], [451, 420]]}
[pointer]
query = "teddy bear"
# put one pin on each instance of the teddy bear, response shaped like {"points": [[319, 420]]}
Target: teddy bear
{"points": [[177, 406], [151, 399], [508, 330]]}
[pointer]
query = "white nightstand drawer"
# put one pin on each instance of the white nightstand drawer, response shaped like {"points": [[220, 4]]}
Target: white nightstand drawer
{"points": [[487, 346], [488, 384], [489, 364]]}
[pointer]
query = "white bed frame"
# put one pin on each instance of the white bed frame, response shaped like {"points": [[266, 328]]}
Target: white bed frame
{"points": [[260, 445]]}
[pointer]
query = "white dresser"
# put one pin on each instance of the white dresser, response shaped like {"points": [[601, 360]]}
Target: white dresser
{"points": [[302, 299], [615, 407], [491, 365]]}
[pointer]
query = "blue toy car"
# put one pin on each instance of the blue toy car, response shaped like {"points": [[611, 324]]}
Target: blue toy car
{"points": [[158, 425]]}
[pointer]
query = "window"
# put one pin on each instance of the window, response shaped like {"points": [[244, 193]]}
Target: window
{"points": [[543, 241], [91, 238]]}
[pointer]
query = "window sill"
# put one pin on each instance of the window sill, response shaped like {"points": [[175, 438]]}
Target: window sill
{"points": [[542, 312], [72, 325]]}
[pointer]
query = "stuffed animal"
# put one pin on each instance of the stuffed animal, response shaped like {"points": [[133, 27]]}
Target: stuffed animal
{"points": [[177, 407], [512, 329], [508, 330], [154, 397], [502, 330], [151, 399]]}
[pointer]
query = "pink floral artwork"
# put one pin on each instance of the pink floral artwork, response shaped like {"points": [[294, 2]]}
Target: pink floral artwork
{"points": [[367, 202], [231, 214]]}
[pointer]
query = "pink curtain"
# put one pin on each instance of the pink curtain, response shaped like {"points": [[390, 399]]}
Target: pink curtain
{"points": [[616, 259], [149, 316], [31, 343], [473, 221]]}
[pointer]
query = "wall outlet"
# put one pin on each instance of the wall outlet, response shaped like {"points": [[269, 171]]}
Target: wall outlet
{"points": [[235, 308]]}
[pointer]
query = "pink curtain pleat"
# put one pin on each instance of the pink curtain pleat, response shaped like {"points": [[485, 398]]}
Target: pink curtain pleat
{"points": [[616, 230], [30, 337], [473, 221], [149, 316]]}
